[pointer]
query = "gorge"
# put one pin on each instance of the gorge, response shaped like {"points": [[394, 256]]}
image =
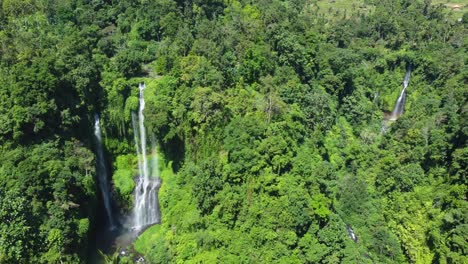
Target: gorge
{"points": [[233, 131]]}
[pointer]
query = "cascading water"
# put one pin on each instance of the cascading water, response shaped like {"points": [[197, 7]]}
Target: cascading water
{"points": [[102, 171], [146, 210], [351, 233], [400, 103]]}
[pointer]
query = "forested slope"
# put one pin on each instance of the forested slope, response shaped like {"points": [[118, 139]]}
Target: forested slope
{"points": [[268, 115]]}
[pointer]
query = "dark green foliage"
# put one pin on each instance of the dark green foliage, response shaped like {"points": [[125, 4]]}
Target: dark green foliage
{"points": [[47, 193], [270, 113]]}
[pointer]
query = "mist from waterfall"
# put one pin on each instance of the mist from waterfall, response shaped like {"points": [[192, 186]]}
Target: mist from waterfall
{"points": [[102, 171], [146, 211], [400, 103]]}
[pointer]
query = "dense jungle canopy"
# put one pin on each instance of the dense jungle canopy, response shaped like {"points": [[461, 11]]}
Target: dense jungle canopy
{"points": [[268, 118]]}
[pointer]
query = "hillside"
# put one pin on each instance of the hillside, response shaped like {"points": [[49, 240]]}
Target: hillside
{"points": [[272, 131]]}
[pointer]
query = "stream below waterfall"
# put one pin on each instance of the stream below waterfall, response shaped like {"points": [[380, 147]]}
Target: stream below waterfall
{"points": [[120, 239]]}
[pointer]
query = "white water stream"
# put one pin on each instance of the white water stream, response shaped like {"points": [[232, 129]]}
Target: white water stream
{"points": [[146, 211], [102, 172]]}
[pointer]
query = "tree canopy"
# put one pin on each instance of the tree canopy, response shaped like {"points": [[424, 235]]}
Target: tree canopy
{"points": [[268, 116]]}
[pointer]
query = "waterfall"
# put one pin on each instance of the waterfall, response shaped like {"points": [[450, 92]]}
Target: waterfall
{"points": [[102, 171], [146, 210], [351, 233], [400, 103]]}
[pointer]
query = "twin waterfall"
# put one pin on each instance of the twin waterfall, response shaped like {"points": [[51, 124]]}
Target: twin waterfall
{"points": [[102, 172], [146, 211], [400, 103]]}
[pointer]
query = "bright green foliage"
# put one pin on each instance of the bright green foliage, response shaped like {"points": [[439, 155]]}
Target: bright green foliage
{"points": [[267, 113], [284, 150], [122, 178]]}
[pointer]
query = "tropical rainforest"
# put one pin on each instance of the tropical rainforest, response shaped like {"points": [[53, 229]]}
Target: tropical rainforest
{"points": [[269, 120]]}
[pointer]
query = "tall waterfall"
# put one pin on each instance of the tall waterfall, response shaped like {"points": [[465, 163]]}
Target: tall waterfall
{"points": [[400, 103], [146, 210], [102, 171]]}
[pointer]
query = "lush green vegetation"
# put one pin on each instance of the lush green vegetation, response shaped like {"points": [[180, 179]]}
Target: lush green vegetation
{"points": [[123, 180], [268, 115]]}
